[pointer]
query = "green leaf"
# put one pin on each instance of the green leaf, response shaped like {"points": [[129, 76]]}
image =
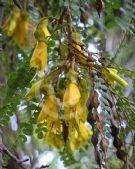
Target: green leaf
{"points": [[51, 44], [116, 4], [23, 138], [40, 135]]}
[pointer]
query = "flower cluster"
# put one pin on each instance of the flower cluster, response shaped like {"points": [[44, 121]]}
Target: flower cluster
{"points": [[74, 113], [64, 111]]}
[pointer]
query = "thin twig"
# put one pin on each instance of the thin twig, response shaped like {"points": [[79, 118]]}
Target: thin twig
{"points": [[69, 25], [122, 41], [12, 156], [131, 165], [120, 45], [17, 4], [43, 166]]}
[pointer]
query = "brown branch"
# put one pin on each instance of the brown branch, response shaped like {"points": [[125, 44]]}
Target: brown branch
{"points": [[17, 4], [69, 25], [43, 166], [62, 16], [131, 165], [122, 41], [4, 149]]}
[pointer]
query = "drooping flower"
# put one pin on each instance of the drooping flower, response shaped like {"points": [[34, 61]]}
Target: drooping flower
{"points": [[16, 27], [72, 95], [78, 136], [11, 23], [43, 23], [21, 32], [52, 140], [39, 57], [85, 132], [111, 76], [81, 112], [75, 114], [34, 90], [50, 109]]}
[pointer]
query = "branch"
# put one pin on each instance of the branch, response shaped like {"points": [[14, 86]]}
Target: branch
{"points": [[69, 24], [120, 45], [4, 149], [17, 4], [43, 166], [122, 41]]}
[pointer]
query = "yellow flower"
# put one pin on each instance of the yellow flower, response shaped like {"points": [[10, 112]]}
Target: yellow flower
{"points": [[11, 23], [54, 126], [81, 112], [78, 48], [43, 26], [69, 114], [52, 140], [17, 27], [85, 131], [50, 109], [73, 136], [111, 76], [72, 95], [21, 32], [34, 90], [39, 57], [78, 136], [81, 55], [75, 114]]}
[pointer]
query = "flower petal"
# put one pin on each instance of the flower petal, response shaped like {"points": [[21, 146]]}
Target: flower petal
{"points": [[39, 57], [72, 95], [111, 76], [34, 90], [50, 109]]}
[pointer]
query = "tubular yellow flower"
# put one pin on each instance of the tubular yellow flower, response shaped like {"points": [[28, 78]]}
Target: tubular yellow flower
{"points": [[85, 132], [76, 114], [21, 32], [39, 57], [70, 115], [50, 109], [81, 112], [73, 136], [54, 126], [80, 53], [78, 136], [43, 26], [34, 90], [46, 32], [53, 141], [78, 48], [72, 95], [111, 76], [11, 23]]}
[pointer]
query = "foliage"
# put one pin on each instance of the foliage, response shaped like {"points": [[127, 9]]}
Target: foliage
{"points": [[75, 78]]}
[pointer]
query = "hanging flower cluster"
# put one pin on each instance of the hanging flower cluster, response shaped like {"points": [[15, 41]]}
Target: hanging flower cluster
{"points": [[65, 112], [16, 26], [74, 113]]}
